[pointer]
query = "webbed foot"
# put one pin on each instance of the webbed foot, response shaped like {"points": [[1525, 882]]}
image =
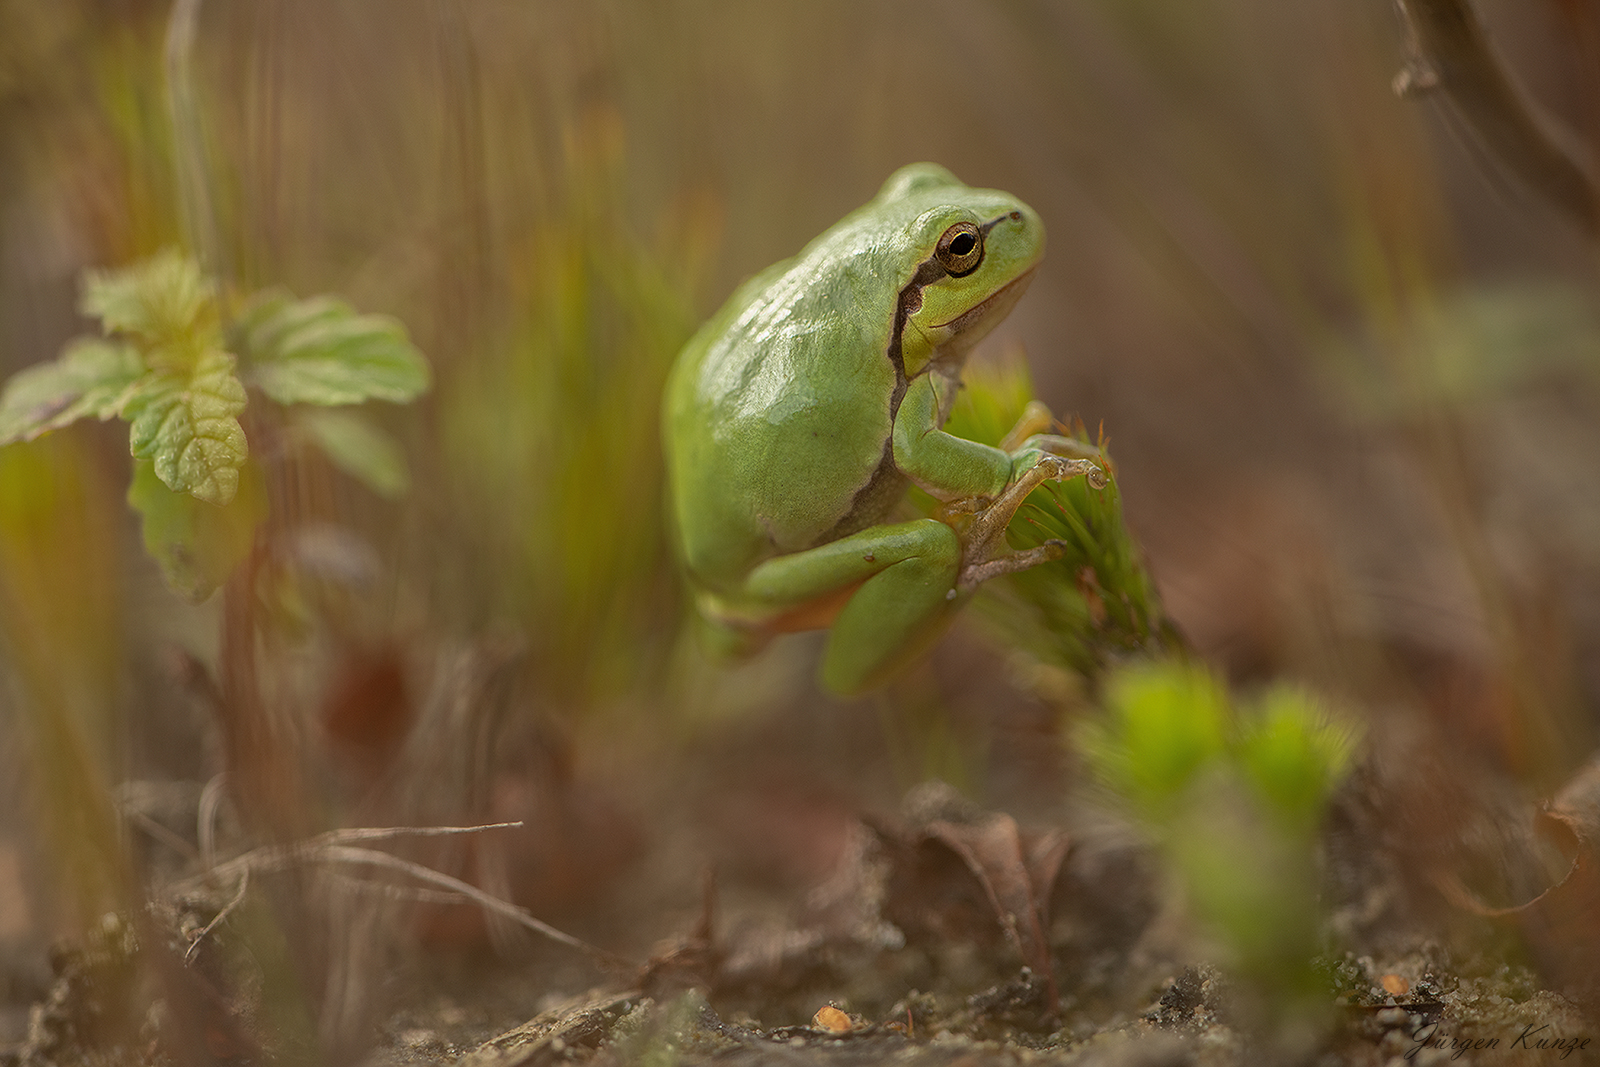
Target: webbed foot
{"points": [[984, 553]]}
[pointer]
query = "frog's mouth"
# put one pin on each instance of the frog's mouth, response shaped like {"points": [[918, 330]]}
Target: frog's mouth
{"points": [[1001, 301]]}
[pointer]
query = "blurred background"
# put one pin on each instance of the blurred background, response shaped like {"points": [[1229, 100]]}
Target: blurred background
{"points": [[1349, 370]]}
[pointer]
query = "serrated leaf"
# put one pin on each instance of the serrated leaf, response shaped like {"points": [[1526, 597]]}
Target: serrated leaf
{"points": [[355, 445], [256, 322], [164, 301], [88, 379], [197, 545], [320, 351], [187, 425]]}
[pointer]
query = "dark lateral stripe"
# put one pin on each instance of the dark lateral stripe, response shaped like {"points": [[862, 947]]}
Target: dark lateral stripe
{"points": [[928, 271], [997, 220], [909, 303]]}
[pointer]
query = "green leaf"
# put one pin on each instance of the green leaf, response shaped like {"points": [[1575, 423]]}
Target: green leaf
{"points": [[187, 425], [320, 351], [197, 545], [88, 379], [163, 301], [359, 448]]}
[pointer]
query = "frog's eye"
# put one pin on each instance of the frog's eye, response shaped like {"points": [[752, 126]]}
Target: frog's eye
{"points": [[960, 249]]}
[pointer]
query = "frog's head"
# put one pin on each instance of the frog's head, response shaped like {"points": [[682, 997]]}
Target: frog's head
{"points": [[965, 257]]}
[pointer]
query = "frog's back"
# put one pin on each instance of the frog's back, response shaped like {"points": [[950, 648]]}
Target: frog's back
{"points": [[780, 410], [779, 415]]}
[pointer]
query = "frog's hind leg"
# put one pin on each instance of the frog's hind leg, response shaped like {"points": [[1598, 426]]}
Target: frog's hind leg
{"points": [[906, 573], [725, 640], [897, 614]]}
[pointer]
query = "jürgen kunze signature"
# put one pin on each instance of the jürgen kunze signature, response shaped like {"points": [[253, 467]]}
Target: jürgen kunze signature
{"points": [[1532, 1038]]}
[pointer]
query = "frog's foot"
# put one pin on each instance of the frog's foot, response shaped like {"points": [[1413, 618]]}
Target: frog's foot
{"points": [[1057, 445], [975, 574], [1033, 430], [726, 640], [1036, 420], [983, 555]]}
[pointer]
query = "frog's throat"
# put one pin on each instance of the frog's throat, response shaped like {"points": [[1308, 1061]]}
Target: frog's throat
{"points": [[1001, 299]]}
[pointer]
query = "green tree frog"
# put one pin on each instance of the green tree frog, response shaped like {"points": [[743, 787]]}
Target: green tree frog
{"points": [[798, 416]]}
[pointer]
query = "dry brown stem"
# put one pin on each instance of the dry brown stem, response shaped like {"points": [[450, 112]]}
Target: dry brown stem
{"points": [[1449, 52], [334, 848]]}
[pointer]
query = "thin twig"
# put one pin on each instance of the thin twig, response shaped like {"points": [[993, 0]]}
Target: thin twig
{"points": [[205, 819], [408, 894], [227, 909], [383, 833], [1449, 51], [490, 903], [160, 833], [332, 847], [280, 857]]}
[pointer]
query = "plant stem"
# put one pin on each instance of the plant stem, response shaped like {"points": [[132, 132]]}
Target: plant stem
{"points": [[189, 156]]}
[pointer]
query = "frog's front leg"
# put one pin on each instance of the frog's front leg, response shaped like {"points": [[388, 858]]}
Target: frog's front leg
{"points": [[984, 551], [990, 483], [904, 577]]}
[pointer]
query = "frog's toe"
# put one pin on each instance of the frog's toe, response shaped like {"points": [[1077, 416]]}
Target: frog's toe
{"points": [[1059, 469], [1060, 445], [975, 572]]}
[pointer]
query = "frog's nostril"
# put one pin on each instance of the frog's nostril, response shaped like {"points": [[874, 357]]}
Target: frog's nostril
{"points": [[1016, 216]]}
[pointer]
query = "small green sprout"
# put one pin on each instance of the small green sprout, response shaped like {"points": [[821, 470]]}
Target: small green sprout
{"points": [[1167, 724], [1164, 724], [1293, 755], [1233, 797], [167, 366]]}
